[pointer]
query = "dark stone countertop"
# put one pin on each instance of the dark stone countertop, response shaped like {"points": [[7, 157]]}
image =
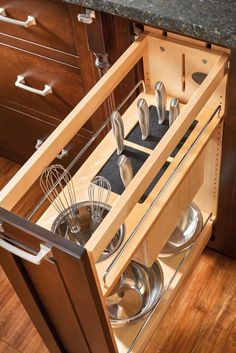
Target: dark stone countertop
{"points": [[210, 20]]}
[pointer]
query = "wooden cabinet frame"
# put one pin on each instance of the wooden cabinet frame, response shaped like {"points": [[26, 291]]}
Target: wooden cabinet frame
{"points": [[74, 262]]}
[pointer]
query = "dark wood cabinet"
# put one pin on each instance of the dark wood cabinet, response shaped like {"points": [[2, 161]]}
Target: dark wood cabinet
{"points": [[50, 267], [54, 52], [65, 292], [53, 27]]}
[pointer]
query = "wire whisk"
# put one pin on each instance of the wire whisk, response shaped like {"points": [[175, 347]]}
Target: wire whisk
{"points": [[57, 185], [99, 192]]}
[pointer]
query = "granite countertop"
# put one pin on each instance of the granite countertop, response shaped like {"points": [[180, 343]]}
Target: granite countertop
{"points": [[210, 20]]}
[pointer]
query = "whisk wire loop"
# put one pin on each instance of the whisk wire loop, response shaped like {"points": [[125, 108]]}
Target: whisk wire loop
{"points": [[57, 185]]}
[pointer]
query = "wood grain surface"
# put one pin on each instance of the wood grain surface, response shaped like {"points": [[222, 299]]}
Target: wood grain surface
{"points": [[201, 319]]}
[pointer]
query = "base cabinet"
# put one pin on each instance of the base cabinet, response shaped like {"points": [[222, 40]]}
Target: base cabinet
{"points": [[47, 269]]}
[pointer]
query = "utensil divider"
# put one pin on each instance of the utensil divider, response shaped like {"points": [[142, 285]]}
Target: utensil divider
{"points": [[140, 182], [85, 148], [125, 254]]}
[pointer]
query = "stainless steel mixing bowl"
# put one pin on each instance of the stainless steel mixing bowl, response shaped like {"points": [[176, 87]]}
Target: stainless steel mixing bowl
{"points": [[185, 233], [83, 212], [136, 294]]}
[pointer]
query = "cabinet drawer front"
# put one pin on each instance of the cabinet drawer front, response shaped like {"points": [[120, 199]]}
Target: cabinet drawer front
{"points": [[22, 134], [37, 73], [52, 28]]}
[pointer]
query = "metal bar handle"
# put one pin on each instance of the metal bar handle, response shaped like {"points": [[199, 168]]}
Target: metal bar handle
{"points": [[30, 21], [87, 17], [60, 156], [20, 83], [34, 259]]}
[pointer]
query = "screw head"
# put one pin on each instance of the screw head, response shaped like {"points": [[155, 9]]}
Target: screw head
{"points": [[162, 48], [204, 61]]}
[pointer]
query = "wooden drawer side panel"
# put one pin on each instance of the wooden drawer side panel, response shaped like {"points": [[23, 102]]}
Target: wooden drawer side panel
{"points": [[172, 212]]}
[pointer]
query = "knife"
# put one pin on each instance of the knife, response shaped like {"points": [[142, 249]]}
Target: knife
{"points": [[126, 170], [160, 93], [143, 117], [174, 110], [118, 131]]}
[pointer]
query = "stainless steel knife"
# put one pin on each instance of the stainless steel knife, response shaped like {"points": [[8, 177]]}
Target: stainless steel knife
{"points": [[118, 131], [174, 110], [160, 93], [126, 170], [143, 117]]}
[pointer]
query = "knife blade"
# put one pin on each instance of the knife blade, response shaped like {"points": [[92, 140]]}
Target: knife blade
{"points": [[174, 110], [118, 131], [126, 170], [160, 93], [143, 117]]}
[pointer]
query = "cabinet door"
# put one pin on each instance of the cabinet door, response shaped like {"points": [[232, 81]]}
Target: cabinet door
{"points": [[58, 290]]}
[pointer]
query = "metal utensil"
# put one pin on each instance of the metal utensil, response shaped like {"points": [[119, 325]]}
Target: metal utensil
{"points": [[174, 110], [87, 227], [138, 291], [126, 170], [57, 185], [185, 233], [99, 192], [143, 117], [118, 131], [160, 93]]}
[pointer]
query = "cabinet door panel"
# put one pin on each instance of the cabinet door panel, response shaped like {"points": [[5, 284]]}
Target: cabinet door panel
{"points": [[62, 298]]}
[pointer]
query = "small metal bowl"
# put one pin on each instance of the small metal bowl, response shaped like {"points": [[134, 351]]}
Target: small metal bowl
{"points": [[83, 212], [137, 293], [185, 233]]}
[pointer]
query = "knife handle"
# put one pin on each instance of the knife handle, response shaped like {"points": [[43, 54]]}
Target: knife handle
{"points": [[143, 117], [118, 131], [126, 170], [174, 110], [160, 93]]}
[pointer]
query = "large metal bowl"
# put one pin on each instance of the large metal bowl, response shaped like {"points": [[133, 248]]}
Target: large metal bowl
{"points": [[185, 233], [136, 294], [83, 212]]}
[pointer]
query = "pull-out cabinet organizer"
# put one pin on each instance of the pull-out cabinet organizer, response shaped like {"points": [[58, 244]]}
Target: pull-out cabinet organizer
{"points": [[66, 292]]}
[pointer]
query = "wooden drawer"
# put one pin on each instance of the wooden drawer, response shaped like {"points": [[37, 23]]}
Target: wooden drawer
{"points": [[53, 27], [65, 81], [21, 134], [192, 175]]}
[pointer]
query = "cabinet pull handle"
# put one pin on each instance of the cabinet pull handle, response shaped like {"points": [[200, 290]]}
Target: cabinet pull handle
{"points": [[20, 82], [34, 259], [60, 156], [30, 21], [86, 17]]}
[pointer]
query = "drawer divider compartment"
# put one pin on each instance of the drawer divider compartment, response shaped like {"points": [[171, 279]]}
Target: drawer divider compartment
{"points": [[170, 196]]}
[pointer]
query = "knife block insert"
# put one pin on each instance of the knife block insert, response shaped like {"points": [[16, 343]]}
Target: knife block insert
{"points": [[156, 132], [111, 170]]}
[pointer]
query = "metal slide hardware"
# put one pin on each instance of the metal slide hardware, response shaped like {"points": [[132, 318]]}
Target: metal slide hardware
{"points": [[60, 156]]}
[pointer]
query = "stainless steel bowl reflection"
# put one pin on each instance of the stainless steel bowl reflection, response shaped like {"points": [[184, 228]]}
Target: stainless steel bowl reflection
{"points": [[185, 233], [137, 293], [83, 212]]}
